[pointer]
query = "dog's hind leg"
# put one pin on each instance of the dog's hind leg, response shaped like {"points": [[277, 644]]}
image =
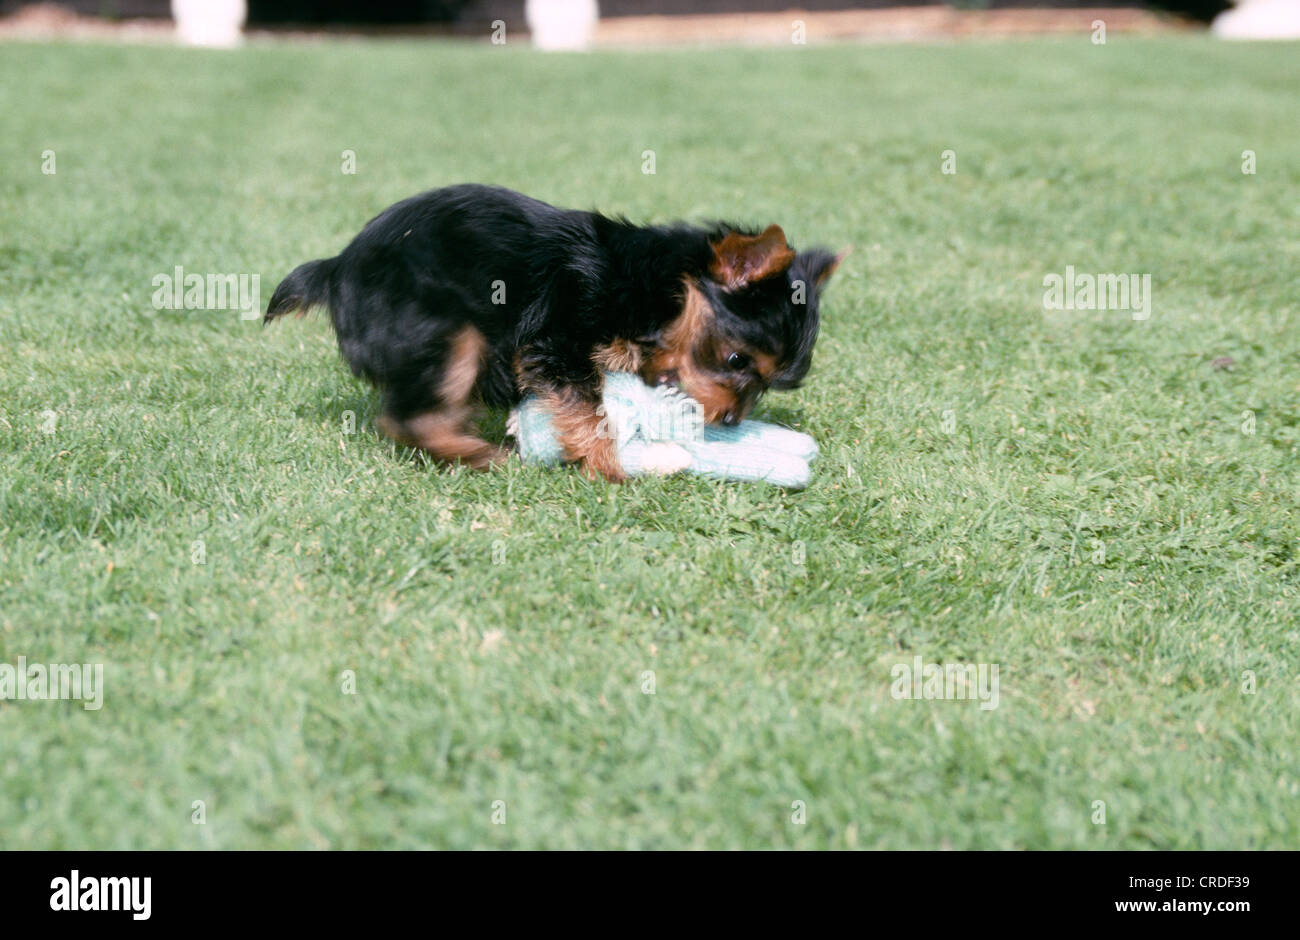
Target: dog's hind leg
{"points": [[436, 420]]}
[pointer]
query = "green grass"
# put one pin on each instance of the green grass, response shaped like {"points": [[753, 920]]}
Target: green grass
{"points": [[500, 625]]}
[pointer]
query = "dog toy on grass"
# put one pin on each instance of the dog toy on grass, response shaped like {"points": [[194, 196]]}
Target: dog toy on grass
{"points": [[660, 430]]}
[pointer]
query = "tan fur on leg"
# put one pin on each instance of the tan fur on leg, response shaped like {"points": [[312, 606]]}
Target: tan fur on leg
{"points": [[584, 436], [442, 433]]}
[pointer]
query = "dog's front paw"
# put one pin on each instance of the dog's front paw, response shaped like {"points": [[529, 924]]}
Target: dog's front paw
{"points": [[595, 469]]}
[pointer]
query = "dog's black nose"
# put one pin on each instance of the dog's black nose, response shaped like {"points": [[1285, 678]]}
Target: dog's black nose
{"points": [[731, 419]]}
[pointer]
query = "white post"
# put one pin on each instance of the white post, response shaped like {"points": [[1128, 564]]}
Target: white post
{"points": [[561, 24], [210, 22], [1259, 19]]}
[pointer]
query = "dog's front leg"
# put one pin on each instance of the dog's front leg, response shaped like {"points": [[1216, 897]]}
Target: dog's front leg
{"points": [[584, 434]]}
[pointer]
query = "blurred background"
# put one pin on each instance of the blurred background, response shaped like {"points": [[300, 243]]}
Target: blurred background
{"points": [[578, 24]]}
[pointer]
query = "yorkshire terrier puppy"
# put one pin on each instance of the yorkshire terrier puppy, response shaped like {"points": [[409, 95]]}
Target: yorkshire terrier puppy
{"points": [[474, 294]]}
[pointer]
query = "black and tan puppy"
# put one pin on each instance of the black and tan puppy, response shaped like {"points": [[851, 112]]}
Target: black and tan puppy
{"points": [[474, 294]]}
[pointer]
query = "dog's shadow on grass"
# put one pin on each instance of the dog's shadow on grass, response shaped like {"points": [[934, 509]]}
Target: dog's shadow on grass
{"points": [[339, 409], [356, 412], [787, 417]]}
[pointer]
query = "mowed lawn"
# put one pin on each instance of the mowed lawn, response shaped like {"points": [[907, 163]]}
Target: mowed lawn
{"points": [[1104, 507]]}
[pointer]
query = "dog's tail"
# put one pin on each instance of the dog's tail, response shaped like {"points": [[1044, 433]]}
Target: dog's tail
{"points": [[307, 286]]}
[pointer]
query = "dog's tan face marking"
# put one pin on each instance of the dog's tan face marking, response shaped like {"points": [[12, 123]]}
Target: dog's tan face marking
{"points": [[723, 375]]}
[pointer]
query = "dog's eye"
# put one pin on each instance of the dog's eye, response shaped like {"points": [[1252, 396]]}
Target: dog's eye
{"points": [[738, 361]]}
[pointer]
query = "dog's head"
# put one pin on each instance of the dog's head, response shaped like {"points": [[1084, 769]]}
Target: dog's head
{"points": [[749, 324]]}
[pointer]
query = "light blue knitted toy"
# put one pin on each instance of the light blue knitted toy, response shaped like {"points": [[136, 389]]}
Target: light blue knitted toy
{"points": [[660, 430]]}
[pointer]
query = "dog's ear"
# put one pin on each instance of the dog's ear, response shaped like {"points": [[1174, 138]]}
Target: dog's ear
{"points": [[822, 264], [743, 259]]}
